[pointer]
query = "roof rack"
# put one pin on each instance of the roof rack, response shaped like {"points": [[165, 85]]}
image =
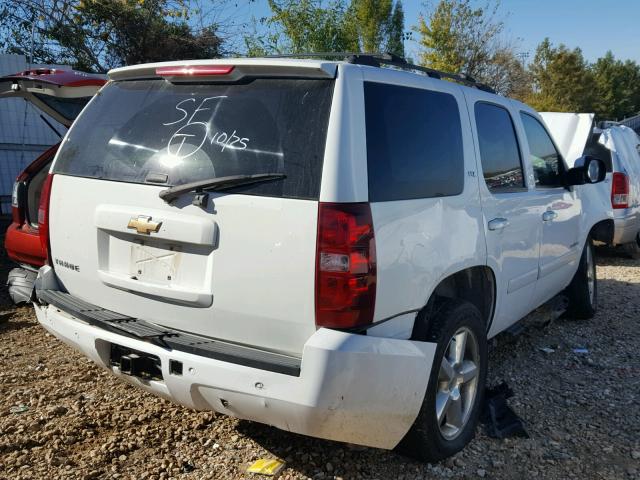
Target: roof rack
{"points": [[380, 59]]}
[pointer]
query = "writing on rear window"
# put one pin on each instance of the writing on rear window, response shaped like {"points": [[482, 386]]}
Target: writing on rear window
{"points": [[192, 135], [182, 133]]}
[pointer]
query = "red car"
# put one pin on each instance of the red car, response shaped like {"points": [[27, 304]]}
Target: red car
{"points": [[61, 94]]}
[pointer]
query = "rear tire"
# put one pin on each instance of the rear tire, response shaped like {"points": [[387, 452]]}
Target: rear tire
{"points": [[583, 289], [449, 414]]}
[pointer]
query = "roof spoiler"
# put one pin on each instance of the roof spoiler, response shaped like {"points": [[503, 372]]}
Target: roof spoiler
{"points": [[229, 70]]}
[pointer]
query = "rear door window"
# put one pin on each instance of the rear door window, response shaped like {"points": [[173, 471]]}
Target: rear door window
{"points": [[499, 150], [136, 131], [414, 143]]}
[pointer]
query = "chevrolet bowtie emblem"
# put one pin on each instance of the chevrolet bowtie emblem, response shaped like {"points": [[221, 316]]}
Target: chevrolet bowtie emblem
{"points": [[143, 224]]}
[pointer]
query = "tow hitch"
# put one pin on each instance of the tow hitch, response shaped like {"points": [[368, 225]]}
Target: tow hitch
{"points": [[136, 363]]}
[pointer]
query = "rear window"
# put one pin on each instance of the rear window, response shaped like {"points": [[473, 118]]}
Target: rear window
{"points": [[69, 108], [414, 143], [135, 131]]}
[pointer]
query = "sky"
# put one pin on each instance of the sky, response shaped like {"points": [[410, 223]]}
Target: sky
{"points": [[593, 25]]}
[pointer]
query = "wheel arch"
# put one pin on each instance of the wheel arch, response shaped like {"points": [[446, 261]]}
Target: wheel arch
{"points": [[474, 284], [603, 231]]}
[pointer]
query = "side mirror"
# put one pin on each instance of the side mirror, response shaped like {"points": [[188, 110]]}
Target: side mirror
{"points": [[587, 170]]}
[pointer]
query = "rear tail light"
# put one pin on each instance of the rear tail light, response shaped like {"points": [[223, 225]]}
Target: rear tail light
{"points": [[194, 70], [16, 214], [620, 190], [17, 198], [14, 194], [345, 265], [43, 216]]}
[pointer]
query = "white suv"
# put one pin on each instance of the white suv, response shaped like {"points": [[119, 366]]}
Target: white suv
{"points": [[323, 246]]}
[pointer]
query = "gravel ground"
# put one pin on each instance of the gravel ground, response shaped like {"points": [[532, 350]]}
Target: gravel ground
{"points": [[581, 411]]}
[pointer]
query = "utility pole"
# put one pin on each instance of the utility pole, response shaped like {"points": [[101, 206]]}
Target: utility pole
{"points": [[33, 32], [523, 57], [26, 105]]}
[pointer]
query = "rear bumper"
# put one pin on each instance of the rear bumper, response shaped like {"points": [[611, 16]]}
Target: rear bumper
{"points": [[627, 226], [350, 388], [22, 244]]}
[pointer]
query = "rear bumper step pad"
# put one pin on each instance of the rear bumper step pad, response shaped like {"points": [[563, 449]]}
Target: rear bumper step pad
{"points": [[168, 338]]}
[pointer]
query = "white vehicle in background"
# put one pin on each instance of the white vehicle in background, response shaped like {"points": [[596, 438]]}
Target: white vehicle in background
{"points": [[619, 146], [323, 246]]}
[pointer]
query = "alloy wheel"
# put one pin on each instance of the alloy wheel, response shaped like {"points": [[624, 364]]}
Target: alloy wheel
{"points": [[457, 383]]}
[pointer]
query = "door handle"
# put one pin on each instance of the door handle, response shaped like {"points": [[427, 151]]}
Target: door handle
{"points": [[549, 215], [498, 223]]}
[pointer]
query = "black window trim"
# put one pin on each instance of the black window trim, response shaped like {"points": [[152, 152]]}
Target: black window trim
{"points": [[522, 189], [561, 161]]}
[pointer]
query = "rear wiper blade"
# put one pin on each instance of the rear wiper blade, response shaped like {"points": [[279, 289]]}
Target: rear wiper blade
{"points": [[217, 184]]}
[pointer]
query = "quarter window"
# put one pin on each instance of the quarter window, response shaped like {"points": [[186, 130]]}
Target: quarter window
{"points": [[499, 151], [544, 156], [414, 143]]}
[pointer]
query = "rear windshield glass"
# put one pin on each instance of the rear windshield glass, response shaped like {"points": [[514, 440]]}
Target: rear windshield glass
{"points": [[149, 129], [69, 108]]}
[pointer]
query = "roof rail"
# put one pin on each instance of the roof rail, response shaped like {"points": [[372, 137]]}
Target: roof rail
{"points": [[377, 60], [380, 59]]}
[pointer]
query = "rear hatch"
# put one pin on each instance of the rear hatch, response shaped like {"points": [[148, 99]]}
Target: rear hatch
{"points": [[61, 94], [237, 264]]}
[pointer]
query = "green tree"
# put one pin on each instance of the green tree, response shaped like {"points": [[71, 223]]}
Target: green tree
{"points": [[617, 87], [302, 26], [562, 80], [456, 37], [373, 21], [396, 34], [97, 35], [507, 75]]}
